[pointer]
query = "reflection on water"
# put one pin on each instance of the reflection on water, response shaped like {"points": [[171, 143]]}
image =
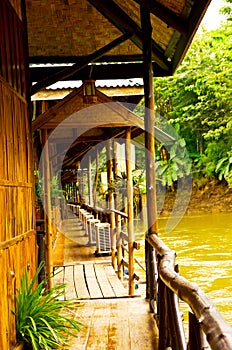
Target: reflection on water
{"points": [[204, 253]]}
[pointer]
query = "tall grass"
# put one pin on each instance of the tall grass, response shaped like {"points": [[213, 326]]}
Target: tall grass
{"points": [[43, 320]]}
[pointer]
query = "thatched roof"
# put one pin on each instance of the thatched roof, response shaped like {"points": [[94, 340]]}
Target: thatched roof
{"points": [[71, 31]]}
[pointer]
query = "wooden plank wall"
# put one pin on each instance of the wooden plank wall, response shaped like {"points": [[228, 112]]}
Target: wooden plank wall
{"points": [[12, 47], [15, 257], [18, 249]]}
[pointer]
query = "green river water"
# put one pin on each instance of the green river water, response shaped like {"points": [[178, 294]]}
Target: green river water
{"points": [[203, 244]]}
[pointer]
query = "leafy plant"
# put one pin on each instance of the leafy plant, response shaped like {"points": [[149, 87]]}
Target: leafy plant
{"points": [[43, 321], [173, 166], [224, 168]]}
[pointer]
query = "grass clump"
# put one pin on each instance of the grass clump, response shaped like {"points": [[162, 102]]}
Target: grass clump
{"points": [[43, 320]]}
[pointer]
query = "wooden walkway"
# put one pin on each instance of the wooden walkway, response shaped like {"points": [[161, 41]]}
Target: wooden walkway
{"points": [[112, 320], [116, 324], [90, 281]]}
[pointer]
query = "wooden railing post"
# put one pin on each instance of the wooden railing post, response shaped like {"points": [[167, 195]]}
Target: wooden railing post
{"points": [[90, 192], [119, 246], [111, 205], [197, 338], [96, 179]]}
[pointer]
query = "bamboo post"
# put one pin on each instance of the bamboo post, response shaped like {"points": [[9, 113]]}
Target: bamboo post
{"points": [[130, 212], [90, 182], [117, 218], [111, 204], [47, 206], [150, 148]]}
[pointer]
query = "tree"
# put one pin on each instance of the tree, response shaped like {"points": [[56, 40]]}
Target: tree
{"points": [[197, 100]]}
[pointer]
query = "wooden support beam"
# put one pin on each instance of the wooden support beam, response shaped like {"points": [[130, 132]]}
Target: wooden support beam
{"points": [[165, 14], [47, 206], [65, 73], [130, 227], [90, 181], [149, 122], [96, 179], [150, 153], [124, 23], [117, 216], [111, 204]]}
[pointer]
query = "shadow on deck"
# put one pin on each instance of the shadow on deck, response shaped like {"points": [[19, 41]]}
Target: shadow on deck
{"points": [[112, 320]]}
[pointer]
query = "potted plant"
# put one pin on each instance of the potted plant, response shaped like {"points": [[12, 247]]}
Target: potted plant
{"points": [[43, 320]]}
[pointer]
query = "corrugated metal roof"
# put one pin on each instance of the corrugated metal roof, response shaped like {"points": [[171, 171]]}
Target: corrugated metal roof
{"points": [[70, 84]]}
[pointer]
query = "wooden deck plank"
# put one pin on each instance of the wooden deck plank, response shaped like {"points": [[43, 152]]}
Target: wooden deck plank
{"points": [[119, 330], [116, 284], [106, 287], [92, 285], [116, 324], [98, 334], [137, 318], [79, 282]]}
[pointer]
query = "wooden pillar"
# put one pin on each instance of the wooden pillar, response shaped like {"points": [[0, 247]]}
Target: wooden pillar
{"points": [[96, 180], [150, 148], [130, 212], [90, 182], [117, 217], [111, 204], [47, 206]]}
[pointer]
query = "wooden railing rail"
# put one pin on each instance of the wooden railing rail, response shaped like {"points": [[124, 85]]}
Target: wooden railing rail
{"points": [[218, 332], [105, 211]]}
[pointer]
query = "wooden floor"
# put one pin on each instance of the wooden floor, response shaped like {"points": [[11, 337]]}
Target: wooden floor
{"points": [[111, 319], [116, 324], [90, 281]]}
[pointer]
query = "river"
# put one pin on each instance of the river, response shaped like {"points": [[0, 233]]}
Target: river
{"points": [[203, 244]]}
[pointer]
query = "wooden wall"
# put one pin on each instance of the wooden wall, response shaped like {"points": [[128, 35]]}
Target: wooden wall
{"points": [[12, 47], [18, 249]]}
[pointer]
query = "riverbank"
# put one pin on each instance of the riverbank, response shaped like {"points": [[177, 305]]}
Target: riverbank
{"points": [[213, 197]]}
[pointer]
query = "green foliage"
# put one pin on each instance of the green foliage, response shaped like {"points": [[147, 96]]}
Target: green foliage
{"points": [[197, 100], [43, 320], [175, 165], [224, 168]]}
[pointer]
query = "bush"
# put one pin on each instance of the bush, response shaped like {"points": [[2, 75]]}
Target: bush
{"points": [[43, 320]]}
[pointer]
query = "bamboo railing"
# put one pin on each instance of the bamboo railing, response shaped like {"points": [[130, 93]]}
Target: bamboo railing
{"points": [[171, 285]]}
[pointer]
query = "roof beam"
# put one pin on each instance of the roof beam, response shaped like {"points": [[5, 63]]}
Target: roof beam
{"points": [[124, 23], [166, 15], [98, 72], [67, 72]]}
